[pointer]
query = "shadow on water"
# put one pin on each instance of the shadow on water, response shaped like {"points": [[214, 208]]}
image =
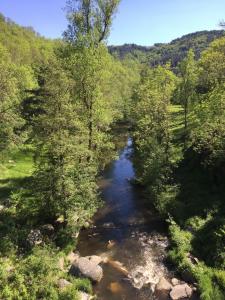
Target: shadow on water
{"points": [[128, 232]]}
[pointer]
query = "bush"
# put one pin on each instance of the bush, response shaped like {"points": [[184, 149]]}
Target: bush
{"points": [[35, 277], [211, 281], [209, 242]]}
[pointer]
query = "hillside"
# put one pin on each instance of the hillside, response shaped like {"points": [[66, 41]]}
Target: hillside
{"points": [[24, 45], [174, 51]]}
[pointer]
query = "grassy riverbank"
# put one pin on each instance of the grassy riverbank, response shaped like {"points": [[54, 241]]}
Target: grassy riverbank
{"points": [[29, 272], [196, 218]]}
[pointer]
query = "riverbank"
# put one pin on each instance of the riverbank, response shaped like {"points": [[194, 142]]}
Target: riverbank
{"points": [[129, 236], [30, 263]]}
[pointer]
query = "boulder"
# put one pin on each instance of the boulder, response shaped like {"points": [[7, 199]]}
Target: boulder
{"points": [[86, 225], [181, 291], [35, 237], [104, 257], [163, 285], [63, 283], [47, 229], [88, 268], [175, 281], [84, 296], [71, 257], [95, 259]]}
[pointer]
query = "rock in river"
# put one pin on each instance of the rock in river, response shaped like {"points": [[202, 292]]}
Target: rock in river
{"points": [[181, 291], [175, 281], [87, 267], [163, 285]]}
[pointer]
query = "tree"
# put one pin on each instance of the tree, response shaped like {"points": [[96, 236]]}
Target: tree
{"points": [[151, 123], [87, 59], [186, 88], [64, 184], [209, 113], [89, 20]]}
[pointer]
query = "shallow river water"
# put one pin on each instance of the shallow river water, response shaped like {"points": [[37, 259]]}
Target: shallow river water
{"points": [[128, 234]]}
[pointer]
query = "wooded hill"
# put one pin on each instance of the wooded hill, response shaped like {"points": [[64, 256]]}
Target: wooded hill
{"points": [[23, 44], [26, 46], [174, 51]]}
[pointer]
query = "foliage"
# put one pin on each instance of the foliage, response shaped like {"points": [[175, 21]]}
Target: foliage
{"points": [[185, 91], [61, 165], [14, 80], [210, 280], [150, 115], [35, 277]]}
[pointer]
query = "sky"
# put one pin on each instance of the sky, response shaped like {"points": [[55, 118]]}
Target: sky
{"points": [[142, 22]]}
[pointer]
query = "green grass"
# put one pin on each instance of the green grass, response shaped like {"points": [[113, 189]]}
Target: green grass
{"points": [[177, 120], [177, 130], [17, 167]]}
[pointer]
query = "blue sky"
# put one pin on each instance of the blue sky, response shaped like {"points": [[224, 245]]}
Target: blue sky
{"points": [[143, 22]]}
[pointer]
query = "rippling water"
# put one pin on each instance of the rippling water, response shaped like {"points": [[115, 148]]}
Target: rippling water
{"points": [[130, 236]]}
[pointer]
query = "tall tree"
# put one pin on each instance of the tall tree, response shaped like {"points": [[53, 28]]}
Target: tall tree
{"points": [[151, 122], [90, 20], [89, 24], [186, 88], [64, 183], [208, 133]]}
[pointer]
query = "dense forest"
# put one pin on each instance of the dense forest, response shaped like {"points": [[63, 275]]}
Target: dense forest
{"points": [[60, 101]]}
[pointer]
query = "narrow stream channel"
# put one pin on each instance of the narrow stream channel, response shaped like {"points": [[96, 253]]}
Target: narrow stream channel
{"points": [[127, 234]]}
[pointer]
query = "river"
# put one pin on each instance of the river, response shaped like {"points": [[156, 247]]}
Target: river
{"points": [[128, 233]]}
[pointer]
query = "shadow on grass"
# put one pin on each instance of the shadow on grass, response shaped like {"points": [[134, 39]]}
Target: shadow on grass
{"points": [[201, 194], [201, 189], [211, 235], [12, 230], [10, 185]]}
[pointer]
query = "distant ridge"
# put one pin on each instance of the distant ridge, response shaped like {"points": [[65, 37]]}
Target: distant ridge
{"points": [[174, 51]]}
